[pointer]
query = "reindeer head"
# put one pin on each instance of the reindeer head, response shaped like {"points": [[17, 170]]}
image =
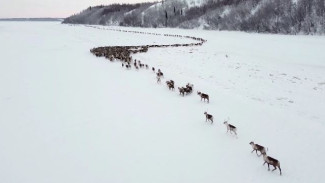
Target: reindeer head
{"points": [[205, 113], [252, 143], [199, 93], [225, 122]]}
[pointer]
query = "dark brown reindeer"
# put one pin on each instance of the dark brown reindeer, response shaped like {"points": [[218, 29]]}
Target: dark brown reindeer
{"points": [[208, 117], [203, 96], [271, 161], [170, 84], [257, 147], [188, 88], [161, 74], [171, 87]]}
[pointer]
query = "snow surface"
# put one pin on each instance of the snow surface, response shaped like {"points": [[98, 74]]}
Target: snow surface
{"points": [[67, 116]]}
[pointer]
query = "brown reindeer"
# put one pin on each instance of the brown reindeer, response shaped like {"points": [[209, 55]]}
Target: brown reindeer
{"points": [[208, 117], [271, 161], [257, 147], [203, 96], [170, 85], [181, 91]]}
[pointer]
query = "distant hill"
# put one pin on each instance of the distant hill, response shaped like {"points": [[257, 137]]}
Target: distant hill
{"points": [[31, 19], [271, 16]]}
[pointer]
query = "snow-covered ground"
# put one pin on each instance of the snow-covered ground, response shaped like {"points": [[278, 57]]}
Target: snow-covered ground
{"points": [[67, 116]]}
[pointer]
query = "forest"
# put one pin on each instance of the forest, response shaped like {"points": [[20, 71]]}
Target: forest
{"points": [[269, 16]]}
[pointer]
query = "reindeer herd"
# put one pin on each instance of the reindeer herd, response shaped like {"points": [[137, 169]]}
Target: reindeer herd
{"points": [[123, 54]]}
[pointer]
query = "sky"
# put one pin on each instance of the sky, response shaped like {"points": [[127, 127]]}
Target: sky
{"points": [[50, 8]]}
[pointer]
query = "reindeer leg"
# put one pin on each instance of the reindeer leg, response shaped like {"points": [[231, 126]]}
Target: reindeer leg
{"points": [[274, 168], [268, 166], [253, 151], [280, 170], [264, 163]]}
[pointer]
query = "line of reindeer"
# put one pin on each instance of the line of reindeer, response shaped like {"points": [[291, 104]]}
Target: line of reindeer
{"points": [[123, 54]]}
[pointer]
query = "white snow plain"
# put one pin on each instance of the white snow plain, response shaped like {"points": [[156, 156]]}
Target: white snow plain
{"points": [[68, 116]]}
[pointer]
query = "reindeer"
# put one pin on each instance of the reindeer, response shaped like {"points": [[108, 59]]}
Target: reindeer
{"points": [[181, 91], [170, 85], [257, 147], [187, 90], [160, 73], [271, 161], [230, 128], [208, 117], [171, 82], [203, 96], [190, 86], [111, 58]]}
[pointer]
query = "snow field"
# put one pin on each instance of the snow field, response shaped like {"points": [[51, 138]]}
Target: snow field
{"points": [[67, 116]]}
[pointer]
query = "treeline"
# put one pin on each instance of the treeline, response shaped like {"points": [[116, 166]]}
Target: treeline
{"points": [[271, 16]]}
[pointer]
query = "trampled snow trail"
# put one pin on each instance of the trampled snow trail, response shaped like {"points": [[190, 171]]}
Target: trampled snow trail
{"points": [[67, 116]]}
